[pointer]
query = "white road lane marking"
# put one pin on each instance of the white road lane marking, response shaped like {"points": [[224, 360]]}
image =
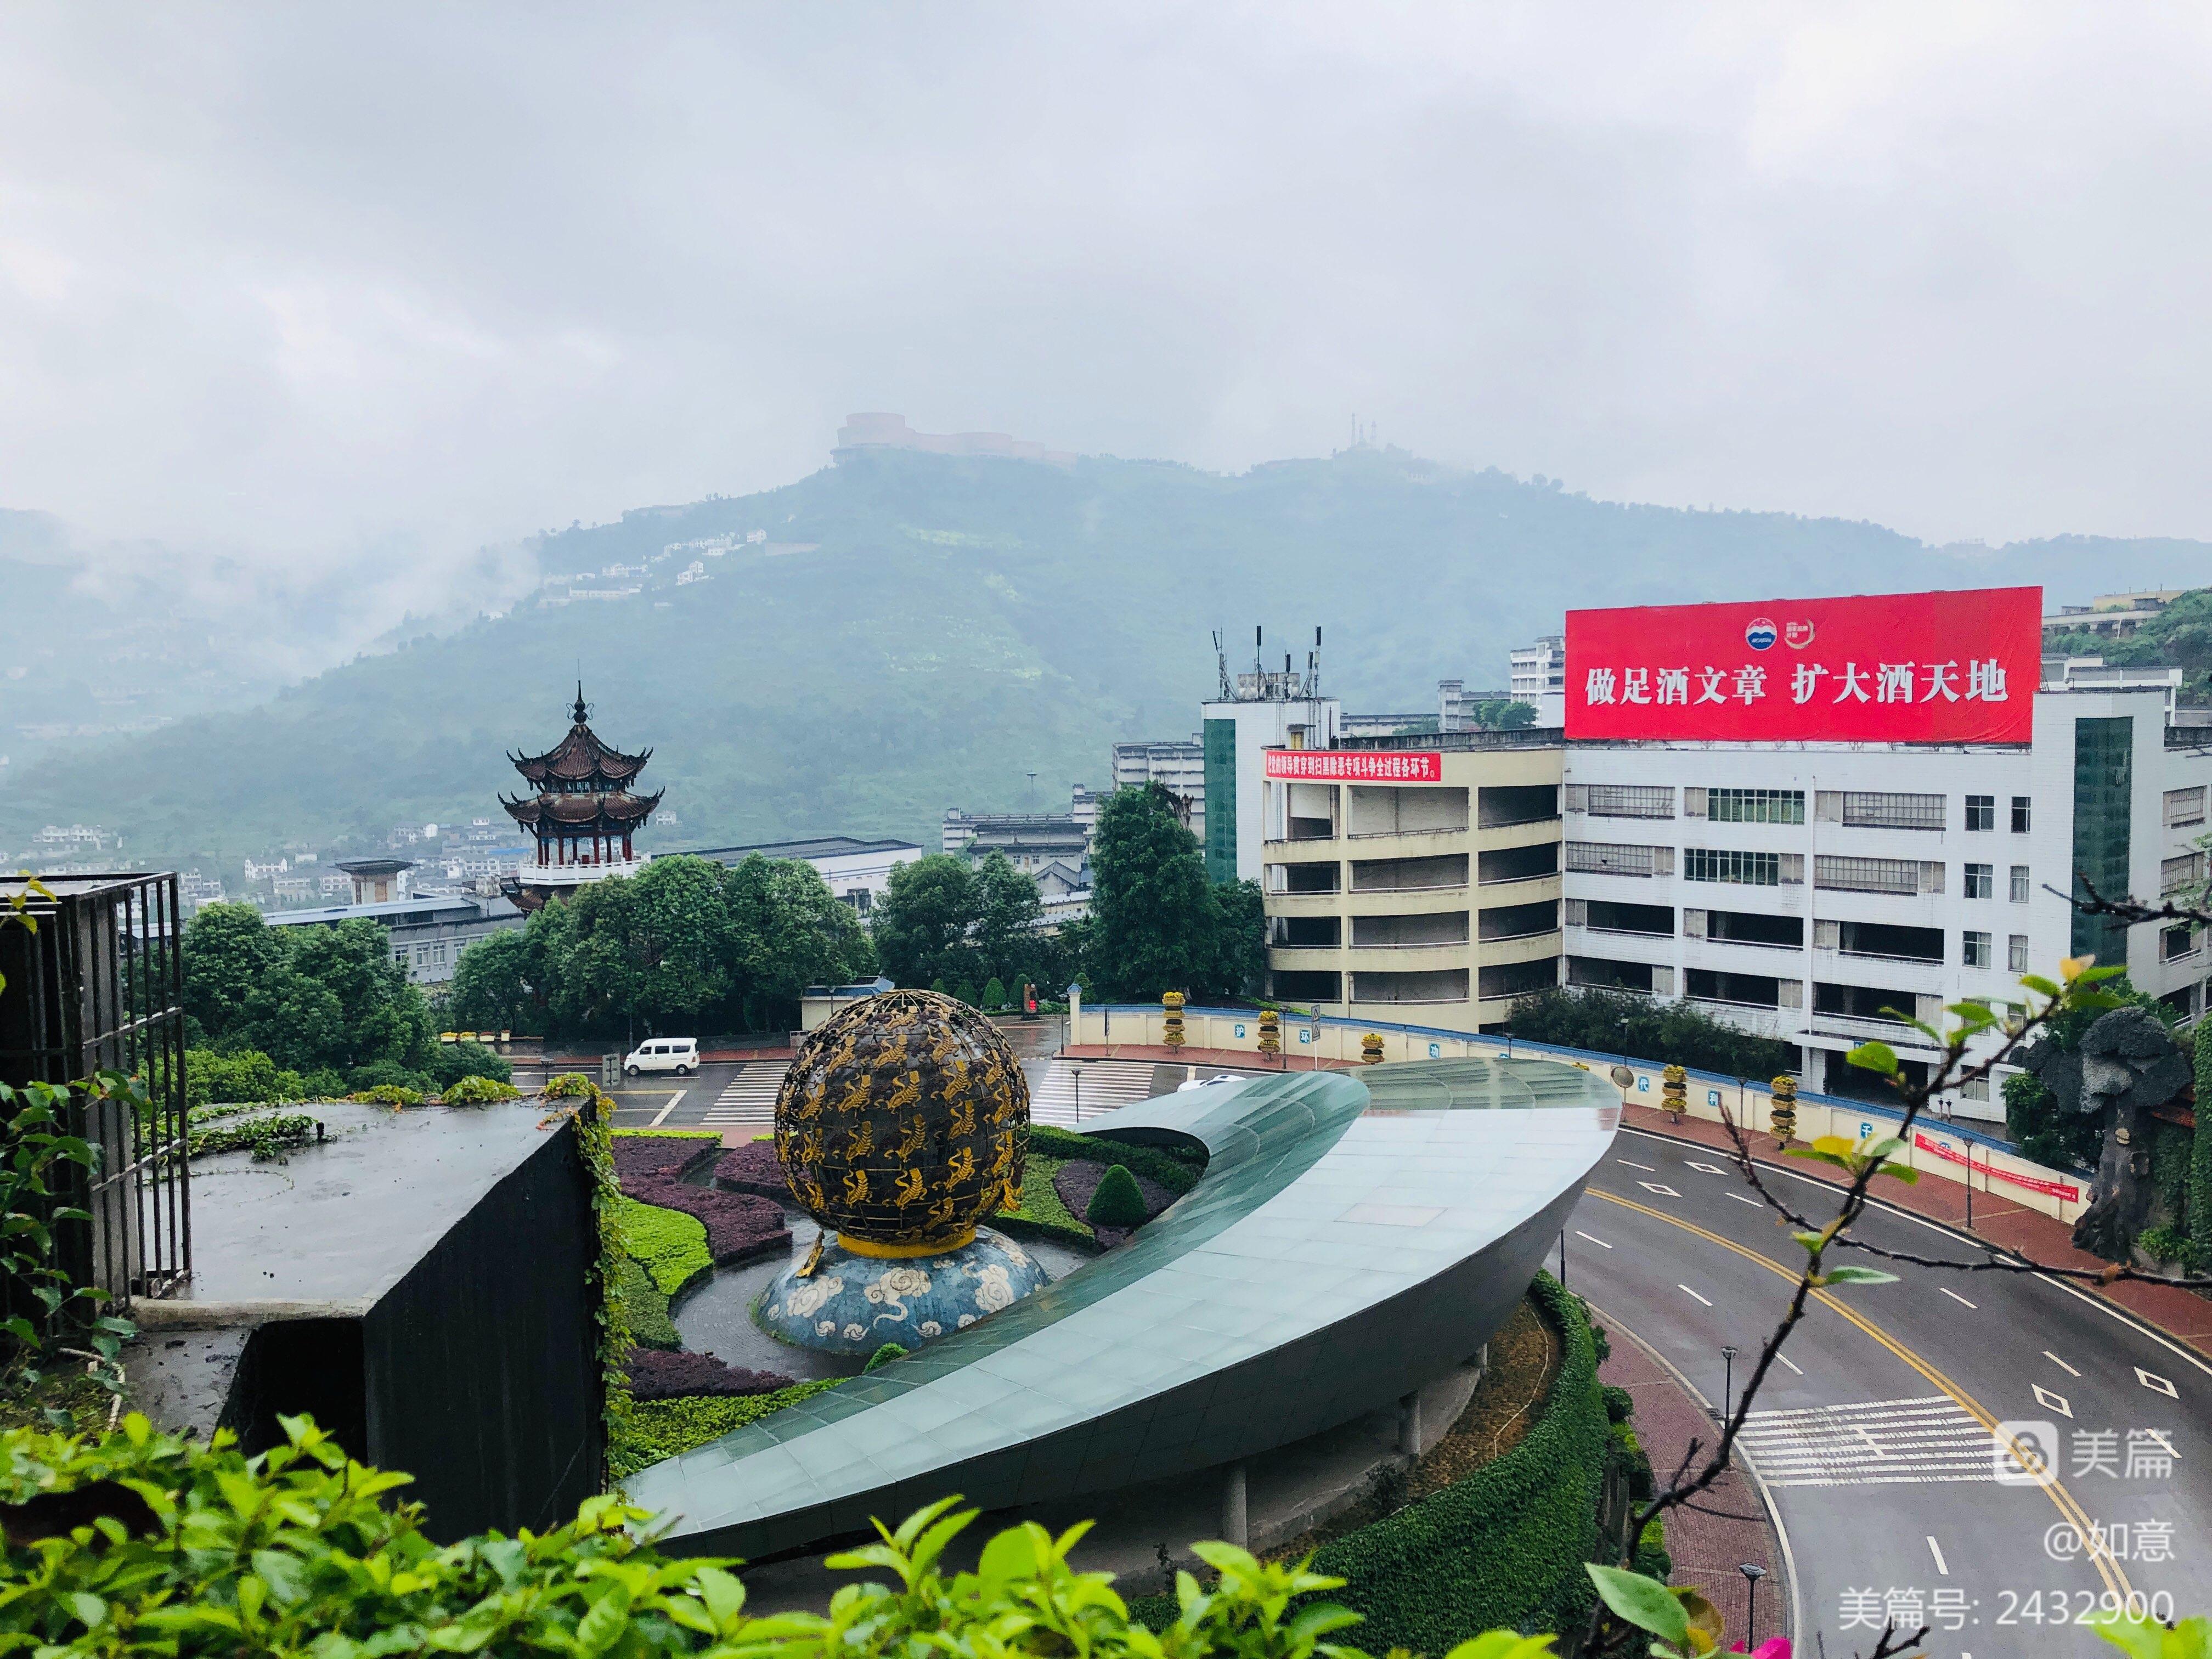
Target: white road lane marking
{"points": [[1936, 1550], [2052, 1402], [2156, 1383], [1687, 1290], [1745, 1197], [1647, 1167], [1593, 1238], [1707, 1169], [1655, 1186], [663, 1116], [1917, 1442], [2159, 1435], [2061, 1364], [1787, 1361], [1956, 1298]]}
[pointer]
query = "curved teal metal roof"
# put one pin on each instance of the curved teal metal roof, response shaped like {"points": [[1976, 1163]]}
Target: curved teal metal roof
{"points": [[1354, 1235]]}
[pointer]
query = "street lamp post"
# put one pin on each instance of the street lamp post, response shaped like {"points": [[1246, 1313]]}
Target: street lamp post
{"points": [[1753, 1572], [1728, 1380], [1563, 1259]]}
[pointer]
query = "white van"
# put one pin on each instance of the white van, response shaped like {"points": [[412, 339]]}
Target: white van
{"points": [[677, 1054]]}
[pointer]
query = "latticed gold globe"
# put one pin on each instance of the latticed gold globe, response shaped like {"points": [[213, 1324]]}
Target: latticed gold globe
{"points": [[903, 1122]]}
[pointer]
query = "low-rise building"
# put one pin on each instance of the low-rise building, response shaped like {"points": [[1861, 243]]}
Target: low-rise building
{"points": [[1177, 766], [2114, 615], [429, 932]]}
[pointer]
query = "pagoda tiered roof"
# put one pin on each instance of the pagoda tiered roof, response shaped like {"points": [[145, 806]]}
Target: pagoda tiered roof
{"points": [[579, 762], [615, 808]]}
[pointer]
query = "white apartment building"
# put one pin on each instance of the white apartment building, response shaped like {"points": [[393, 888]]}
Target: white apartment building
{"points": [[1798, 891], [1539, 670], [1795, 890]]}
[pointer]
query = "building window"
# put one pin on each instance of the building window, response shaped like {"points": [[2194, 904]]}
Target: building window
{"points": [[1756, 806], [1732, 865], [2104, 787], [2177, 942], [1981, 880], [1599, 857], [1976, 1088], [1858, 875], [400, 955], [438, 953], [1631, 800], [2018, 890], [2181, 874], [2185, 806], [1869, 809], [1981, 811], [1974, 951], [2016, 953], [2021, 814]]}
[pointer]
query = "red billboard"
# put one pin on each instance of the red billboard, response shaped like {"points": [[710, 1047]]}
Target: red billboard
{"points": [[1357, 765], [1889, 668]]}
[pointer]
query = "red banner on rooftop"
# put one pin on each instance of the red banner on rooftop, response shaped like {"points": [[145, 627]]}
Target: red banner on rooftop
{"points": [[1890, 668], [1357, 765]]}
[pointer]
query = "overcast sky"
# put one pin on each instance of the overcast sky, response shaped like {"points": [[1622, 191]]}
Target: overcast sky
{"points": [[305, 280]]}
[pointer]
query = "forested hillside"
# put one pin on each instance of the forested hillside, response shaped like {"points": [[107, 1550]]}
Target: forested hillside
{"points": [[919, 632]]}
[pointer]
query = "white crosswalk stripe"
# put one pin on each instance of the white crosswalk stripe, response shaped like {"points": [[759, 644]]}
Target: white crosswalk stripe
{"points": [[1103, 1086], [747, 1100], [1875, 1443]]}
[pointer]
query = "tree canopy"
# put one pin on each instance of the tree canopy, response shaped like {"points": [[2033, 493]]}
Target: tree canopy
{"points": [[1156, 924], [945, 920], [685, 945]]}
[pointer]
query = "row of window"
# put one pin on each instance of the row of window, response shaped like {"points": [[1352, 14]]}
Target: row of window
{"points": [[431, 954], [1836, 872], [1854, 808]]}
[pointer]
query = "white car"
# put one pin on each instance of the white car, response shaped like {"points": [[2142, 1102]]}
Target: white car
{"points": [[677, 1054]]}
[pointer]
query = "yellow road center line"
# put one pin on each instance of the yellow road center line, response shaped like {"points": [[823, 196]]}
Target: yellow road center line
{"points": [[2115, 1580]]}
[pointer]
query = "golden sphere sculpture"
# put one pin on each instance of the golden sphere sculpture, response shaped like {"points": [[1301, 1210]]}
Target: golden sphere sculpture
{"points": [[902, 1123]]}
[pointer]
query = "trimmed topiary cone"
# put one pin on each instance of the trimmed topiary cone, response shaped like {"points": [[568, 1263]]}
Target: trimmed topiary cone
{"points": [[1117, 1203]]}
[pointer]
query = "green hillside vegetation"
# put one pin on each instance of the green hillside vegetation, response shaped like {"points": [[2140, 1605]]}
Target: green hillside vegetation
{"points": [[921, 631], [2179, 637]]}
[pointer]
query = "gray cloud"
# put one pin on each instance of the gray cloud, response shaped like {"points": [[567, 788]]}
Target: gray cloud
{"points": [[313, 281]]}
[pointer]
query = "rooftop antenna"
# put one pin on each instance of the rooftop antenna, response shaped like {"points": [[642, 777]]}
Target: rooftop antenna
{"points": [[1221, 663], [1258, 664]]}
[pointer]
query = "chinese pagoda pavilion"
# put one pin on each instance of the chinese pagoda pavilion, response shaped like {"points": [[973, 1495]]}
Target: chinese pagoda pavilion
{"points": [[582, 814]]}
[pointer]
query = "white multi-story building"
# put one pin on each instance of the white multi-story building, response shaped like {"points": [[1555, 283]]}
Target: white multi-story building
{"points": [[1539, 670], [1802, 890], [1799, 890]]}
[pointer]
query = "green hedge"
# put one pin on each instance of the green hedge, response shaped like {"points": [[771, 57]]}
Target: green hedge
{"points": [[1505, 1545], [644, 1308], [670, 1245], [655, 1429], [1042, 1215], [1171, 1172], [1116, 1203]]}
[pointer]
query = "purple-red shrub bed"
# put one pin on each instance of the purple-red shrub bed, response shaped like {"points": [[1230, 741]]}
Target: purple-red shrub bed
{"points": [[659, 1374], [738, 1225], [659, 1155], [1079, 1178], [753, 1167]]}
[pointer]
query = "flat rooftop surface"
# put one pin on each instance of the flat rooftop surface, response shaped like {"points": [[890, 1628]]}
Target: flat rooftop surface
{"points": [[346, 1219]]}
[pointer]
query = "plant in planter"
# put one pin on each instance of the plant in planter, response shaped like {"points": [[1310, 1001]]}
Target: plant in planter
{"points": [[1117, 1203]]}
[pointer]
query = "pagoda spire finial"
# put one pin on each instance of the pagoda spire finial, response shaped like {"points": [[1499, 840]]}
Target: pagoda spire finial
{"points": [[582, 712]]}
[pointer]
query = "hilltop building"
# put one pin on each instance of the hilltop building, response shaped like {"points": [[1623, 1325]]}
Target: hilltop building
{"points": [[863, 433], [2116, 614], [582, 816]]}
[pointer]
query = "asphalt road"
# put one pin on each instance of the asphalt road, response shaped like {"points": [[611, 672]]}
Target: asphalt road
{"points": [[1890, 1498]]}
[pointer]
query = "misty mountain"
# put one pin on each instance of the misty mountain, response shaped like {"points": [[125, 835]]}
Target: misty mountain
{"points": [[910, 632]]}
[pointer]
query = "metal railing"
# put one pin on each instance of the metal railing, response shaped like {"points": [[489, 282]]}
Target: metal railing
{"points": [[99, 986]]}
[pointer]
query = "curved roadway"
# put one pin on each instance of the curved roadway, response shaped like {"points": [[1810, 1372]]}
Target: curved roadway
{"points": [[1876, 1439]]}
